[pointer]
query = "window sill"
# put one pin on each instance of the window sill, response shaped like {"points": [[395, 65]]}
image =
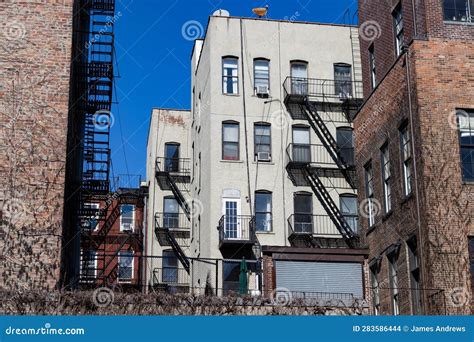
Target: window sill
{"points": [[234, 95], [467, 182], [454, 22], [232, 161], [387, 216], [266, 163], [266, 233], [406, 199]]}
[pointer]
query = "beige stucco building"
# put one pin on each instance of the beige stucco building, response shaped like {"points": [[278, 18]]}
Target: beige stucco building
{"points": [[261, 166]]}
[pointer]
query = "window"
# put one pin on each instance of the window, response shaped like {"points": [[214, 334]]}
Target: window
{"points": [[171, 157], [263, 211], [127, 217], [230, 77], [125, 266], [88, 266], [393, 277], [466, 138], [374, 282], [459, 10], [92, 220], [303, 213], [348, 205], [405, 141], [387, 190], [343, 80], [345, 144], [299, 78], [398, 29], [261, 71], [414, 275], [263, 141], [230, 141], [301, 144], [170, 267], [373, 74], [170, 213], [369, 192]]}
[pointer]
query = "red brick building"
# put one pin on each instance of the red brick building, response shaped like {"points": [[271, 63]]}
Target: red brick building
{"points": [[112, 240], [414, 138]]}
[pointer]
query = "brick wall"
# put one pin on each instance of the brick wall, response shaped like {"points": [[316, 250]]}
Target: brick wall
{"points": [[34, 93]]}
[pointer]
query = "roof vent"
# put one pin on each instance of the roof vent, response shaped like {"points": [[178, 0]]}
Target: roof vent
{"points": [[221, 13]]}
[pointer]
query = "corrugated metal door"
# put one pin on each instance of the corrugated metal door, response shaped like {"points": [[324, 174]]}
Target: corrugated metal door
{"points": [[327, 277]]}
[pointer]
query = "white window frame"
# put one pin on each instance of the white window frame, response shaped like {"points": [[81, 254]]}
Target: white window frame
{"points": [[93, 206], [369, 186], [122, 228], [386, 176], [406, 154], [235, 78], [132, 264], [261, 62], [398, 29], [373, 70], [81, 269]]}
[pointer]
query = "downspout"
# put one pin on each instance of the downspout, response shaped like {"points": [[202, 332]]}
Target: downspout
{"points": [[417, 191], [413, 9], [245, 118]]}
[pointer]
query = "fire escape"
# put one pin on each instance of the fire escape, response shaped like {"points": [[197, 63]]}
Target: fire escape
{"points": [[174, 174], [94, 73], [316, 101]]}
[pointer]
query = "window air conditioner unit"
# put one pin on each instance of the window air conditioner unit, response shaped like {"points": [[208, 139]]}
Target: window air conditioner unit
{"points": [[127, 227], [264, 156], [263, 90]]}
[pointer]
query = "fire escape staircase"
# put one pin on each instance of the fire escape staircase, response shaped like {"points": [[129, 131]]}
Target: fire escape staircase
{"points": [[174, 175]]}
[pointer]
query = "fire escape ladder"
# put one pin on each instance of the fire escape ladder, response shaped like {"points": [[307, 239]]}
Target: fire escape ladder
{"points": [[178, 194], [327, 202], [182, 257], [323, 133]]}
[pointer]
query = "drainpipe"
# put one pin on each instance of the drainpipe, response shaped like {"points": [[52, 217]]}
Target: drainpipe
{"points": [[417, 190]]}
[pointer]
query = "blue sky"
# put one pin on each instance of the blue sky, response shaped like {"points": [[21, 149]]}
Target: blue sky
{"points": [[153, 58]]}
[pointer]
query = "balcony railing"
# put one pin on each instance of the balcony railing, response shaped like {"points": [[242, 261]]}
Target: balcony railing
{"points": [[236, 229], [175, 166], [172, 221], [170, 276], [317, 155], [319, 225], [323, 88]]}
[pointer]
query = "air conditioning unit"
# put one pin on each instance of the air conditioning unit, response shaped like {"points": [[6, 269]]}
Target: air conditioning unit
{"points": [[264, 156], [127, 227], [262, 90]]}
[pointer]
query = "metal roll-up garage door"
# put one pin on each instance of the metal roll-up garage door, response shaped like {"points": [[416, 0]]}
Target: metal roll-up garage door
{"points": [[320, 277]]}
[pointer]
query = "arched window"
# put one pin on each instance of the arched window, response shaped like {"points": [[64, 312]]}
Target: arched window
{"points": [[261, 71], [345, 144], [343, 80], [263, 141], [230, 140], [303, 212], [263, 211], [172, 156], [348, 207], [230, 75], [299, 77]]}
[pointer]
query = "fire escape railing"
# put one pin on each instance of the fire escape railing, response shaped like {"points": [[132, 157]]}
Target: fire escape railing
{"points": [[237, 229], [174, 174], [305, 98]]}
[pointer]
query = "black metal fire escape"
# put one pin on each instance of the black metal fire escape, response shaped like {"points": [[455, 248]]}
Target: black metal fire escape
{"points": [[94, 70], [173, 174], [307, 99]]}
